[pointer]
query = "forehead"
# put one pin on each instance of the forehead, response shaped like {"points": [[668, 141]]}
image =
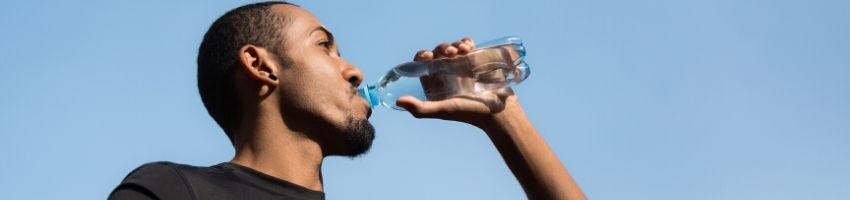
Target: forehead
{"points": [[301, 22]]}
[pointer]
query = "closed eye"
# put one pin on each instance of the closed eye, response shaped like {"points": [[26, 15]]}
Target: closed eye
{"points": [[326, 44]]}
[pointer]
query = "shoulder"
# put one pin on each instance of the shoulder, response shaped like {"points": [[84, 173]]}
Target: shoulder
{"points": [[160, 180], [161, 168]]}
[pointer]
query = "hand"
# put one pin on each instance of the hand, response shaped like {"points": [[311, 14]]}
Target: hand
{"points": [[533, 163], [476, 109]]}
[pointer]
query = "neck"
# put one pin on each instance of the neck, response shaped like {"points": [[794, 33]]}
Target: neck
{"points": [[264, 143]]}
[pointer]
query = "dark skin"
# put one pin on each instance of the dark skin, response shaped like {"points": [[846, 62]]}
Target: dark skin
{"points": [[294, 116]]}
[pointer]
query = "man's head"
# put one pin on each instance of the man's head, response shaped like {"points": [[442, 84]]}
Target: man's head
{"points": [[277, 59]]}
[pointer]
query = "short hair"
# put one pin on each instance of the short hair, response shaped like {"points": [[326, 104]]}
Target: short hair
{"points": [[218, 56]]}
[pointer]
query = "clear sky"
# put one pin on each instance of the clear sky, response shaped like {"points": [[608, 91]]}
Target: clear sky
{"points": [[657, 99]]}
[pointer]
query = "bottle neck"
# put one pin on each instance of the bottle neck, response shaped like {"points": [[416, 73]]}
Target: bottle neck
{"points": [[369, 93]]}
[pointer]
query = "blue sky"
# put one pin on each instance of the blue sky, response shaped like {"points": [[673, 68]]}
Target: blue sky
{"points": [[658, 99]]}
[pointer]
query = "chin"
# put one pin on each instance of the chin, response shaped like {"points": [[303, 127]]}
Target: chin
{"points": [[359, 135]]}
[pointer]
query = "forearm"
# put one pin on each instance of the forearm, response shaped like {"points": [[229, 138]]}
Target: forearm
{"points": [[498, 113], [526, 153]]}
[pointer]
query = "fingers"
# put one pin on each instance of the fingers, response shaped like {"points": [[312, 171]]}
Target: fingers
{"points": [[469, 41], [503, 92], [423, 55], [446, 50], [464, 46]]}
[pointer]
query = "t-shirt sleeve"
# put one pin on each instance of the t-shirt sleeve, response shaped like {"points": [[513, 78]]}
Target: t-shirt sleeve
{"points": [[152, 181], [131, 192]]}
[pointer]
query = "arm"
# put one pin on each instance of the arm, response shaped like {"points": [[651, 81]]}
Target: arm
{"points": [[131, 192], [532, 162], [152, 181], [500, 115]]}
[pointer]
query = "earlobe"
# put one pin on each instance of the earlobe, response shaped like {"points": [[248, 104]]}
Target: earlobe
{"points": [[255, 62]]}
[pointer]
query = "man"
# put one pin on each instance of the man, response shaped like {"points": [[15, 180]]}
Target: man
{"points": [[272, 78]]}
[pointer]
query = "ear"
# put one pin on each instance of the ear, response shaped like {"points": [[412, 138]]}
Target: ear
{"points": [[256, 62]]}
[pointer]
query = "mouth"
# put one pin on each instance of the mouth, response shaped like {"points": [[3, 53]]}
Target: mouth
{"points": [[368, 112], [354, 94]]}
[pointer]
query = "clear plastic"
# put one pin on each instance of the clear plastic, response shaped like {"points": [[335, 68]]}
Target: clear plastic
{"points": [[492, 65]]}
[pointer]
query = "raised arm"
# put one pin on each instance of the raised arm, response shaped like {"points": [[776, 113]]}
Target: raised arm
{"points": [[500, 115]]}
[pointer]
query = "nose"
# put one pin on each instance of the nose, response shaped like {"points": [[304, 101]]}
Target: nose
{"points": [[352, 74]]}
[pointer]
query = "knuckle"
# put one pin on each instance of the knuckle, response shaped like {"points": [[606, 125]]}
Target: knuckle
{"points": [[422, 55]]}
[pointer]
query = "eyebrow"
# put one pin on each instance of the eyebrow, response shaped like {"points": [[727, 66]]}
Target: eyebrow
{"points": [[329, 34]]}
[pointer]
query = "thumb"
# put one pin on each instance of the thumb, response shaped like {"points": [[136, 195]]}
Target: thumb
{"points": [[418, 108]]}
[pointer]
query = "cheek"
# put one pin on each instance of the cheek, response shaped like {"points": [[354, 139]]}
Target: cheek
{"points": [[315, 86]]}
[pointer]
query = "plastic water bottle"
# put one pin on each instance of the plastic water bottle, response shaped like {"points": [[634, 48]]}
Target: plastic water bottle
{"points": [[492, 65]]}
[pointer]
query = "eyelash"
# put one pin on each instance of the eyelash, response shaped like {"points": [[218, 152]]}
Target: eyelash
{"points": [[326, 44]]}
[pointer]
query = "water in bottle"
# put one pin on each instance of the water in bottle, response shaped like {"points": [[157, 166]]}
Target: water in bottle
{"points": [[492, 65]]}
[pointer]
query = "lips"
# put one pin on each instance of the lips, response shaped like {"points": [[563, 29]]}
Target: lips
{"points": [[367, 105], [368, 112]]}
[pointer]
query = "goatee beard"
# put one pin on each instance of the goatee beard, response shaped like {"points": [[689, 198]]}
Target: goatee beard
{"points": [[359, 136]]}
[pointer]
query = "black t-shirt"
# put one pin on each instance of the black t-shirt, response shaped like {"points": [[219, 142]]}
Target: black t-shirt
{"points": [[166, 180]]}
